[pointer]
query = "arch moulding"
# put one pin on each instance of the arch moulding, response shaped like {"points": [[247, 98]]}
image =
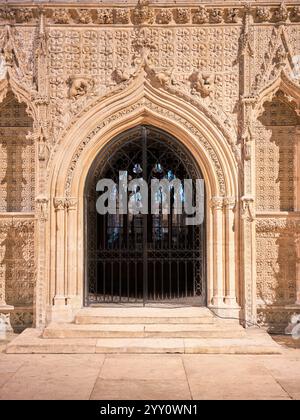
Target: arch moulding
{"points": [[139, 104]]}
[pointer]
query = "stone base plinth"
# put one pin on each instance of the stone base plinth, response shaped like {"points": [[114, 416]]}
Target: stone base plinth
{"points": [[5, 325]]}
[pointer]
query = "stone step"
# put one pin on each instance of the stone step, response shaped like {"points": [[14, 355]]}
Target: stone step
{"points": [[31, 341], [143, 331], [129, 315]]}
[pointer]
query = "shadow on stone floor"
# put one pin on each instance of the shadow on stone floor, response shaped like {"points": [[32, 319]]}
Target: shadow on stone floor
{"points": [[286, 341]]}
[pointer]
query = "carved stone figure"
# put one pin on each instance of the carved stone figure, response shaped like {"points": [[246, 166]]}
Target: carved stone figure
{"points": [[263, 14], [43, 147], [296, 13], [5, 325], [281, 14], [61, 16], [233, 15], [183, 15], [122, 75], [79, 86], [42, 207], [24, 15], [142, 13], [202, 83], [201, 15], [162, 78], [7, 13], [216, 15]]}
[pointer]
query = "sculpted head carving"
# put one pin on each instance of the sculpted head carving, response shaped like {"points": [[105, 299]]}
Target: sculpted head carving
{"points": [[202, 83], [79, 86], [121, 75]]}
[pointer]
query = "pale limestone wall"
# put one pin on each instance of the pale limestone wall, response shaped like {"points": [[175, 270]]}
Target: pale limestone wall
{"points": [[223, 78]]}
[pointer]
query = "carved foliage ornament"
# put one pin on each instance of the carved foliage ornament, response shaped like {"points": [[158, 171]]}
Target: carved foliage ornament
{"points": [[144, 13], [278, 225]]}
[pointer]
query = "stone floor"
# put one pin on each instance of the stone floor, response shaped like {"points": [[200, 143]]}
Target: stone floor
{"points": [[99, 377]]}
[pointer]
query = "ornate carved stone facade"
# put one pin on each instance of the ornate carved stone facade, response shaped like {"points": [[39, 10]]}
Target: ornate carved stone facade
{"points": [[224, 80]]}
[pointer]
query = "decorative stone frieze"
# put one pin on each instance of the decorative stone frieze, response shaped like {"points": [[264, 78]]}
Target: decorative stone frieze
{"points": [[145, 13]]}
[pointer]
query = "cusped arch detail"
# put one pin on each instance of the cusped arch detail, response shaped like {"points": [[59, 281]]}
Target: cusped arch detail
{"points": [[20, 93], [282, 83]]}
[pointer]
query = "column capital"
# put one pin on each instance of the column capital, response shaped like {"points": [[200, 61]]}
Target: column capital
{"points": [[71, 203], [59, 203], [216, 203], [65, 203], [230, 202]]}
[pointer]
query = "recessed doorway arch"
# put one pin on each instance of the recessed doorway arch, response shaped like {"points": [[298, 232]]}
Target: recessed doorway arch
{"points": [[144, 258]]}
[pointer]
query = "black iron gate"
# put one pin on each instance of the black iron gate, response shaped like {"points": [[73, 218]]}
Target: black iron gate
{"points": [[145, 257]]}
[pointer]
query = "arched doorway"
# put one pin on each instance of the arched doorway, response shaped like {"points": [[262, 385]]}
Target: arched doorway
{"points": [[143, 258]]}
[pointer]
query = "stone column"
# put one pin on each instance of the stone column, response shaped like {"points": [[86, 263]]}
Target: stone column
{"points": [[40, 298], [72, 288], [248, 256], [61, 310], [59, 298], [218, 256], [230, 256]]}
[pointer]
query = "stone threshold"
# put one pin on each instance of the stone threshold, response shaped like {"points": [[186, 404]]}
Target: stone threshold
{"points": [[31, 342]]}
